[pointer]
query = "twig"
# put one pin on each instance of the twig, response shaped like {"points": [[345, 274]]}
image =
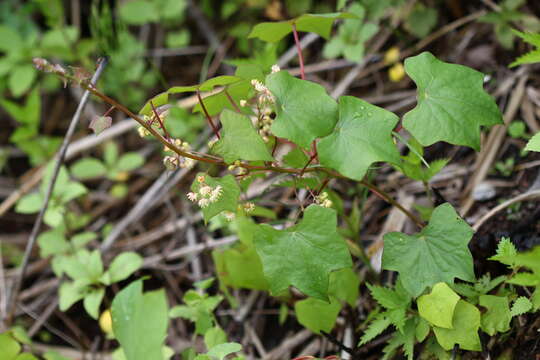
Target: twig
{"points": [[208, 117], [58, 162], [529, 195], [299, 50]]}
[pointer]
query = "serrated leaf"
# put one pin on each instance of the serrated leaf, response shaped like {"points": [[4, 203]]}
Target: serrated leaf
{"points": [[387, 298], [404, 338], [422, 329], [466, 322], [304, 110], [497, 317], [364, 130], [452, 104], [227, 201], [317, 315], [534, 143], [100, 123], [303, 255], [532, 56], [140, 321], [318, 23], [375, 328], [506, 252], [239, 139], [520, 306], [438, 306], [439, 253]]}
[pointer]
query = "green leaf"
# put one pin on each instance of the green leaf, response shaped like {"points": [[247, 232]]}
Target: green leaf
{"points": [[10, 347], [214, 336], [532, 56], [388, 298], [534, 143], [303, 255], [158, 100], [239, 139], [304, 110], [317, 315], [88, 168], [92, 300], [403, 338], [497, 317], [375, 328], [344, 285], [421, 20], [139, 12], [140, 321], [220, 351], [296, 158], [364, 130], [69, 293], [240, 267], [439, 253], [122, 267], [466, 322], [72, 191], [438, 307], [52, 242], [422, 329], [29, 204], [129, 162], [452, 104], [520, 306], [506, 253], [20, 79], [84, 265], [12, 41], [318, 23]]}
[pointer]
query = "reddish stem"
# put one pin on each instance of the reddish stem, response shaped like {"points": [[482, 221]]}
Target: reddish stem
{"points": [[299, 50], [109, 111], [208, 117], [161, 124], [231, 100]]}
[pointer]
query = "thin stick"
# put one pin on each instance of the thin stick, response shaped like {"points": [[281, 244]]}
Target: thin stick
{"points": [[58, 162], [299, 50], [208, 117]]}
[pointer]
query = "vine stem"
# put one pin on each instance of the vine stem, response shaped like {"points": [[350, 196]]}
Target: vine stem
{"points": [[59, 159], [299, 50], [208, 117], [217, 161]]}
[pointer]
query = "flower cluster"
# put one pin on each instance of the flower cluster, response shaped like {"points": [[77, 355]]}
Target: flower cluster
{"points": [[206, 194], [237, 165], [175, 161], [322, 200]]}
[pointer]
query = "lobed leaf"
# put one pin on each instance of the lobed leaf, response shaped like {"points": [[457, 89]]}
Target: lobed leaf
{"points": [[452, 104]]}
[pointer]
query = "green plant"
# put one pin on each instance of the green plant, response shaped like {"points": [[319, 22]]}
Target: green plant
{"points": [[437, 298], [64, 191], [504, 18]]}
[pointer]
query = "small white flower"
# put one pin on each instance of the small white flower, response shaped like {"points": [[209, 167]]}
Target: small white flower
{"points": [[192, 196], [275, 68], [201, 178], [243, 103], [249, 207], [142, 131], [326, 203], [187, 163], [171, 162], [216, 193], [204, 202], [205, 190], [229, 215]]}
